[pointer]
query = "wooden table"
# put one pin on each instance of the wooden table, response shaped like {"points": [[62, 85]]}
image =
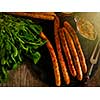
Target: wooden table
{"points": [[23, 77]]}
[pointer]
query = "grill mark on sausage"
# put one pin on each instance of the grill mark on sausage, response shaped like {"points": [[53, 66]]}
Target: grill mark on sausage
{"points": [[54, 59], [73, 54], [59, 51], [67, 53], [77, 45]]}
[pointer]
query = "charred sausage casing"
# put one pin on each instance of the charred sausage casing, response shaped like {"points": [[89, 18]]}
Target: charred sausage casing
{"points": [[59, 51], [73, 54], [67, 53], [54, 60], [77, 45]]}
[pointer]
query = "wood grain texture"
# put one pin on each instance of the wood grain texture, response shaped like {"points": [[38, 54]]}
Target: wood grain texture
{"points": [[23, 77]]}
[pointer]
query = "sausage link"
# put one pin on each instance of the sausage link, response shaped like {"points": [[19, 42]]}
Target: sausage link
{"points": [[59, 51], [73, 54], [39, 15], [67, 53], [77, 45], [54, 59]]}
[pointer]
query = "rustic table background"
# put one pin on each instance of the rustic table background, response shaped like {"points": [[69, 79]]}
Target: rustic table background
{"points": [[23, 77]]}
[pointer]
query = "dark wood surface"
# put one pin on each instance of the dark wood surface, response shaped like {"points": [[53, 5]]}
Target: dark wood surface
{"points": [[23, 77]]}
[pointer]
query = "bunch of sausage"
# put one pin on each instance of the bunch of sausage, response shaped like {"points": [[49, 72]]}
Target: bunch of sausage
{"points": [[66, 41]]}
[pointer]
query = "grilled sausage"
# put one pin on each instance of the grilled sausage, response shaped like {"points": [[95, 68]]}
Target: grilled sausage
{"points": [[59, 51], [73, 54], [67, 53], [39, 15], [54, 59], [77, 45]]}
